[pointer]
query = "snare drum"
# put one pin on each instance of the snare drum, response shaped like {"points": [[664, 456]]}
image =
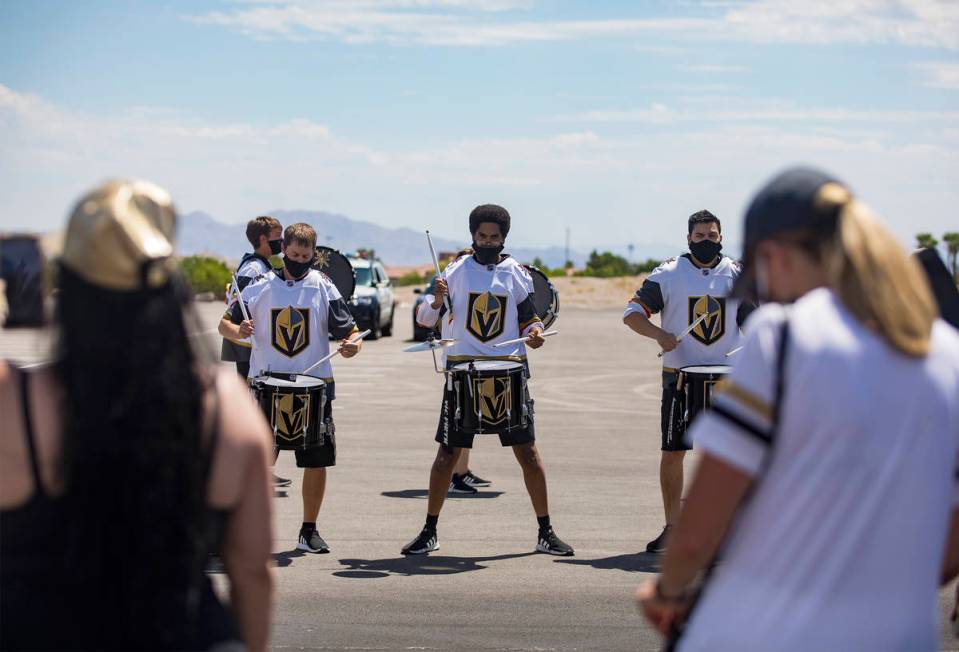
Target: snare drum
{"points": [[294, 405], [698, 384], [490, 397]]}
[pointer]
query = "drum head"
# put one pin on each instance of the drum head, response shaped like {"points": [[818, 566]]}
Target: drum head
{"points": [[337, 266], [301, 381], [707, 369], [545, 296], [488, 365]]}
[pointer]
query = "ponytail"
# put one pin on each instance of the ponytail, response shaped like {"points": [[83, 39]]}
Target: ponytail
{"points": [[873, 276]]}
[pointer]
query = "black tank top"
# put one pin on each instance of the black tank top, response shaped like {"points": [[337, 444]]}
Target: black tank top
{"points": [[39, 589]]}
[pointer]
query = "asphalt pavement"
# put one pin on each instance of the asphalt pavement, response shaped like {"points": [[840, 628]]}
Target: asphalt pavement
{"points": [[597, 389]]}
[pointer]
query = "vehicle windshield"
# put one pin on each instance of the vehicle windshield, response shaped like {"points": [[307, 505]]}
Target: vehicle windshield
{"points": [[363, 276]]}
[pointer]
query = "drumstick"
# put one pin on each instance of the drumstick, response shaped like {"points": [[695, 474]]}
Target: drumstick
{"points": [[524, 339], [687, 331], [356, 339], [736, 350], [436, 264]]}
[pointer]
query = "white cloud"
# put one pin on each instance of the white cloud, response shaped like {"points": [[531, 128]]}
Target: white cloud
{"points": [[927, 23], [625, 182], [940, 74]]}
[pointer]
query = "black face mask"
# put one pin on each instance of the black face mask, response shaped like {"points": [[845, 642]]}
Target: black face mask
{"points": [[705, 251], [487, 255], [275, 246], [297, 269]]}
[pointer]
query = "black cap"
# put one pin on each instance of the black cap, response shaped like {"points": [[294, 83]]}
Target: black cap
{"points": [[786, 203]]}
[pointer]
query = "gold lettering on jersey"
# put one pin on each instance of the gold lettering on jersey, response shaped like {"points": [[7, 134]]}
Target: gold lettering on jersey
{"points": [[290, 330], [492, 399], [486, 315], [710, 330], [291, 415]]}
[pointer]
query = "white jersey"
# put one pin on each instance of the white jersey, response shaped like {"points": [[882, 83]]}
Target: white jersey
{"points": [[292, 322], [491, 303], [840, 545], [682, 292]]}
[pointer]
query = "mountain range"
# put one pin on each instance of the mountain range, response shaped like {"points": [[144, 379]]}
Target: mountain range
{"points": [[200, 233]]}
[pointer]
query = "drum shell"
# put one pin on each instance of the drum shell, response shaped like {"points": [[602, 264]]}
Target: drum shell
{"points": [[698, 388], [272, 400], [492, 387]]}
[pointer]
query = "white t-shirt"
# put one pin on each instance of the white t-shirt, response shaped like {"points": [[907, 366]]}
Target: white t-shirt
{"points": [[840, 545], [292, 322], [491, 303], [682, 292]]}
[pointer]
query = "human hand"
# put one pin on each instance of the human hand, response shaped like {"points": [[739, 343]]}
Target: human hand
{"points": [[349, 348], [246, 328], [536, 338], [660, 612], [440, 291], [667, 341]]}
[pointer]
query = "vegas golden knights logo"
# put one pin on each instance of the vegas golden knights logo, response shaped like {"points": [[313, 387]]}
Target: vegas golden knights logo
{"points": [[711, 329], [291, 415], [486, 315], [290, 330], [492, 399]]}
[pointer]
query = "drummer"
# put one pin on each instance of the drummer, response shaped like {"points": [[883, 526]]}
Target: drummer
{"points": [[683, 289], [492, 299], [292, 314]]}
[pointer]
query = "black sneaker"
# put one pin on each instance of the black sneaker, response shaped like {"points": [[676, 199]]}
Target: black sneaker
{"points": [[312, 542], [659, 543], [281, 482], [552, 544], [459, 486], [474, 480], [422, 544]]}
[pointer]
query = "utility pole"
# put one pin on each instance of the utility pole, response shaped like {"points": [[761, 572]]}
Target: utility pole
{"points": [[568, 262]]}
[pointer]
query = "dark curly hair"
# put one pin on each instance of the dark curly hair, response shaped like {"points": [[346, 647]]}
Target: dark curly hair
{"points": [[703, 217], [490, 213]]}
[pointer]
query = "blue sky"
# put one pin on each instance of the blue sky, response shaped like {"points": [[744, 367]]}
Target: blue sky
{"points": [[617, 119]]}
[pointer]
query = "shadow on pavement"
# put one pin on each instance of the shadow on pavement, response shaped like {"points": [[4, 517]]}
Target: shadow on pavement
{"points": [[285, 558], [417, 565], [641, 562], [424, 493]]}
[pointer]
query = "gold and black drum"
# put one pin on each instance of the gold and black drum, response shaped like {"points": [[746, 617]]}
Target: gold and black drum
{"points": [[490, 397], [698, 382], [294, 405]]}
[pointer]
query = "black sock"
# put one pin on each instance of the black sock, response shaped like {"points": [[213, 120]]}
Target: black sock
{"points": [[543, 522], [431, 521], [306, 528]]}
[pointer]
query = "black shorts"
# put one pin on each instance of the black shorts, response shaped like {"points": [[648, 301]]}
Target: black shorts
{"points": [[450, 437], [673, 419]]}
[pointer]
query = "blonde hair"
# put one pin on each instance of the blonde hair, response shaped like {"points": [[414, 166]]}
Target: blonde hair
{"points": [[873, 276]]}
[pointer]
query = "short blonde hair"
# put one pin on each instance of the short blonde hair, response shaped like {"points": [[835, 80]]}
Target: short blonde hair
{"points": [[300, 233]]}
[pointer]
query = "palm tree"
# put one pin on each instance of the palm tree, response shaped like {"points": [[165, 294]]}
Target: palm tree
{"points": [[926, 241], [952, 247]]}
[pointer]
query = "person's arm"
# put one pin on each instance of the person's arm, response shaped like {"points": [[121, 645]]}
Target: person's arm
{"points": [[647, 302], [530, 324], [247, 545], [341, 324], [716, 494], [233, 326], [432, 308]]}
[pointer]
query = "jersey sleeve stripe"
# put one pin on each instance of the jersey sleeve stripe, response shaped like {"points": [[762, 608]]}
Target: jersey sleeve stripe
{"points": [[532, 320], [745, 398], [636, 300], [742, 424]]}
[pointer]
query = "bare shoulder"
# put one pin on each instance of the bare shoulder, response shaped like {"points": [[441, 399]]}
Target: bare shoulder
{"points": [[242, 426]]}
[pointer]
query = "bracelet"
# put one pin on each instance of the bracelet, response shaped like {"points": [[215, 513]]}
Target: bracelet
{"points": [[675, 599]]}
